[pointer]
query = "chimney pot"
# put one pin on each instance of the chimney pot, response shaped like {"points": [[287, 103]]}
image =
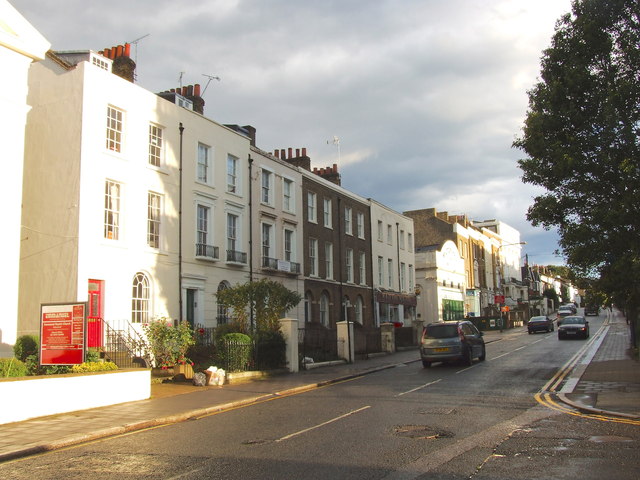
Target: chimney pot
{"points": [[184, 91], [304, 152], [190, 90], [297, 152], [119, 50], [127, 50], [335, 168], [196, 90], [276, 153], [290, 152], [283, 156], [106, 52]]}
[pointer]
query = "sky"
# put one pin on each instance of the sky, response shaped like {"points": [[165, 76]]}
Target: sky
{"points": [[417, 101]]}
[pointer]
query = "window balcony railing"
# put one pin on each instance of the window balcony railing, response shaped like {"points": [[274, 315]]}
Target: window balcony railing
{"points": [[280, 265], [207, 251], [236, 256]]}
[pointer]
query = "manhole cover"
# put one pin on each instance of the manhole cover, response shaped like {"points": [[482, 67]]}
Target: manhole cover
{"points": [[421, 432]]}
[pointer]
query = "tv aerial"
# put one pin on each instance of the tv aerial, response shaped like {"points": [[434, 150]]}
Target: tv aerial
{"points": [[210, 77]]}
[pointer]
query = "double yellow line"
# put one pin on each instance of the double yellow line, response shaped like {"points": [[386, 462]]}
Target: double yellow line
{"points": [[548, 395]]}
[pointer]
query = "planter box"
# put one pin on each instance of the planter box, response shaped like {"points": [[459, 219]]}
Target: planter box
{"points": [[30, 397]]}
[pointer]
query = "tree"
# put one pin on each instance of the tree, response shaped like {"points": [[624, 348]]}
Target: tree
{"points": [[266, 299], [582, 138]]}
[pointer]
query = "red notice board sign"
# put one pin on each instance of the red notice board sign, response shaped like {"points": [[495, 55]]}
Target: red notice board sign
{"points": [[63, 333]]}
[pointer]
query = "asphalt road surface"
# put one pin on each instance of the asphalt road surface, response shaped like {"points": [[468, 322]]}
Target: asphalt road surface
{"points": [[408, 422]]}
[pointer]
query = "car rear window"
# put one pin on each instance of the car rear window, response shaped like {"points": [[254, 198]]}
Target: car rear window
{"points": [[441, 331]]}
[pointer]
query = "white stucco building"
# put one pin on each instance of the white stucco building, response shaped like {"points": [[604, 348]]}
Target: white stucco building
{"points": [[392, 252], [440, 276], [20, 45]]}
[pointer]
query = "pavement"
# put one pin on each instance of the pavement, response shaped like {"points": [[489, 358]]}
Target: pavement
{"points": [[609, 383]]}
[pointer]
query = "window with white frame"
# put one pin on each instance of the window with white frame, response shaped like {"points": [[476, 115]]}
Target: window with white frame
{"points": [[112, 195], [266, 196], [324, 309], [380, 271], [156, 147], [289, 245], [154, 210], [349, 265], [328, 260], [115, 119], [233, 172], [232, 232], [313, 257], [410, 242], [390, 273], [411, 277], [363, 268], [203, 213], [204, 164], [403, 276], [326, 212], [140, 296], [360, 224], [348, 221], [267, 232], [311, 207], [401, 240], [288, 198], [389, 234]]}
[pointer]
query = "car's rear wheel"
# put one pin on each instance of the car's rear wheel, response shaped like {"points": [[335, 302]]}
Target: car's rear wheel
{"points": [[483, 355], [426, 364], [468, 357]]}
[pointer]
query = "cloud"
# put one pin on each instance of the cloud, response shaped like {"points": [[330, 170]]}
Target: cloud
{"points": [[426, 98]]}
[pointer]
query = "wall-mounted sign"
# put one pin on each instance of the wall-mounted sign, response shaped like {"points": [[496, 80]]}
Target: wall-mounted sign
{"points": [[498, 299], [62, 333]]}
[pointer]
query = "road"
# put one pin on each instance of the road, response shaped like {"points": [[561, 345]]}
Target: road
{"points": [[445, 422]]}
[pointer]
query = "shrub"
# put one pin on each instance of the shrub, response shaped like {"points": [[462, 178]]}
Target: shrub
{"points": [[270, 350], [33, 367], [169, 343], [25, 345], [12, 367], [94, 367], [235, 352]]}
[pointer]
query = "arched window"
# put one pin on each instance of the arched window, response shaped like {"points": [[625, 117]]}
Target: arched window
{"points": [[308, 301], [223, 316], [140, 299], [324, 309], [358, 309]]}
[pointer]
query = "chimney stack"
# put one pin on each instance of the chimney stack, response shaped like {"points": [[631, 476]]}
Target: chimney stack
{"points": [[123, 65]]}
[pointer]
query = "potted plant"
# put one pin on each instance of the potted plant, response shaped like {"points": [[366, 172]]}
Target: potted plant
{"points": [[168, 343]]}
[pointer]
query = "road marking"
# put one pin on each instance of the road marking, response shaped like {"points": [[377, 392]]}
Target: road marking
{"points": [[465, 369], [418, 388], [352, 412]]}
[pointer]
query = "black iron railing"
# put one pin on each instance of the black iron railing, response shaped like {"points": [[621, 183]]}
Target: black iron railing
{"points": [[236, 256], [207, 251]]}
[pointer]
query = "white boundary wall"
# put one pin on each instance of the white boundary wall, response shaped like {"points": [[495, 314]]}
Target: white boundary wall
{"points": [[26, 398]]}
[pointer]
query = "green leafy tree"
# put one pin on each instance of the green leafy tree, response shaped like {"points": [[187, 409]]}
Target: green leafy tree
{"points": [[266, 300], [582, 138]]}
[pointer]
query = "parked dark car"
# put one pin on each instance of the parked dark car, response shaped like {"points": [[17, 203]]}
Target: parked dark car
{"points": [[573, 326], [451, 341], [591, 310], [540, 324]]}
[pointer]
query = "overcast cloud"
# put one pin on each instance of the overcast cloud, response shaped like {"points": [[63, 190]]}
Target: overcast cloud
{"points": [[425, 96]]}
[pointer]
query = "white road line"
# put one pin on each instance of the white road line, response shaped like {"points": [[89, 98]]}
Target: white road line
{"points": [[287, 437], [418, 388]]}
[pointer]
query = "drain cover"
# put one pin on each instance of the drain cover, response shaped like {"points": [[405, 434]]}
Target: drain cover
{"points": [[421, 432]]}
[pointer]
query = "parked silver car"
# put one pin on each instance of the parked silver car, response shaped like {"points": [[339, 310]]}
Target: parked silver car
{"points": [[451, 341]]}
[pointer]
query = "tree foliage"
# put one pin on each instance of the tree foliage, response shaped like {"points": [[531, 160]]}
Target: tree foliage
{"points": [[266, 300], [582, 138]]}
